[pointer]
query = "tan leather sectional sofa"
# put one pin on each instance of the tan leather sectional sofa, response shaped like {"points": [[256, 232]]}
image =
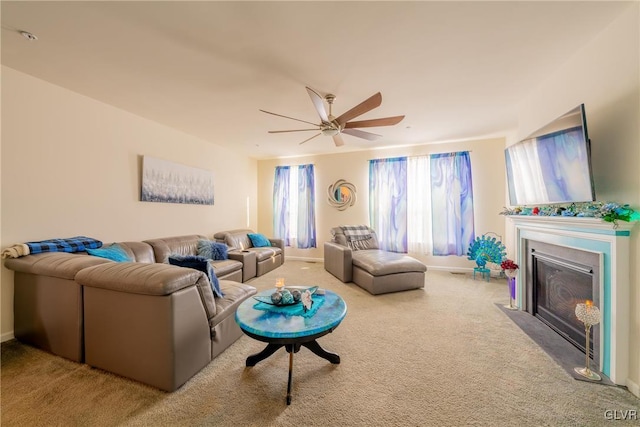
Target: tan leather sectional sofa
{"points": [[147, 320]]}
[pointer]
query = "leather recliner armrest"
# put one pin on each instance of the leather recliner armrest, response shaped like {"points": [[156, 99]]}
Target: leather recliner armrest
{"points": [[278, 243], [338, 261], [248, 260]]}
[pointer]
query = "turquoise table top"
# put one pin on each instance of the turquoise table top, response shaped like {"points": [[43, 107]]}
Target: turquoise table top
{"points": [[271, 322]]}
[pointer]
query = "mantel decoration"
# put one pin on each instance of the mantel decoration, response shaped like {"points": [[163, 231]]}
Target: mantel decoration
{"points": [[588, 314], [609, 212], [510, 270], [341, 194]]}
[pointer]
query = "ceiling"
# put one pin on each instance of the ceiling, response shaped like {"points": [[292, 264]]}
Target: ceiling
{"points": [[456, 70]]}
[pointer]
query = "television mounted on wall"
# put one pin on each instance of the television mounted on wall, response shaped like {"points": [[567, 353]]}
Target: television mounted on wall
{"points": [[553, 165]]}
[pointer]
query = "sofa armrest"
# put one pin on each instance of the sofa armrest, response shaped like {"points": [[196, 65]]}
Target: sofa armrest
{"points": [[148, 279], [278, 243], [248, 260], [338, 261]]}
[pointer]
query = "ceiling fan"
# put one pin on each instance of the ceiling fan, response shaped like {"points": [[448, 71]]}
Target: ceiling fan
{"points": [[335, 126]]}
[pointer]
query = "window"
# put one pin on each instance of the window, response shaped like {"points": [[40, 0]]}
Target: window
{"points": [[294, 217], [422, 204]]}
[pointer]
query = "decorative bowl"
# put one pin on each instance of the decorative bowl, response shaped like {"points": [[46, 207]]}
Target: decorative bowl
{"points": [[295, 293]]}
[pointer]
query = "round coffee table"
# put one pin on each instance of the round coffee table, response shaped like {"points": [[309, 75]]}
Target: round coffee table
{"points": [[291, 328]]}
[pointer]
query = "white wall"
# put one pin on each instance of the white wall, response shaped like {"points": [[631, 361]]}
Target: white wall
{"points": [[71, 166], [605, 76], [487, 163]]}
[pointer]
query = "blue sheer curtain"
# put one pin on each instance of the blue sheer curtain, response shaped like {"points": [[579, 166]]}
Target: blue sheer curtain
{"points": [[451, 203], [294, 216], [388, 202], [306, 225], [281, 204]]}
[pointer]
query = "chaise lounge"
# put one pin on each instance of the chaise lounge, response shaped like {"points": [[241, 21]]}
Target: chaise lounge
{"points": [[353, 255]]}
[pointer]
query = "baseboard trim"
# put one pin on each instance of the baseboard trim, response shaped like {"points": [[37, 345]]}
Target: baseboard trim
{"points": [[633, 388], [301, 258], [8, 336], [450, 269]]}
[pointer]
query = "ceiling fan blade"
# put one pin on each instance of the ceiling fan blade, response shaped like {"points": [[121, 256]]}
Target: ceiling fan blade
{"points": [[361, 134], [317, 102], [386, 121], [308, 139], [294, 130], [287, 117], [337, 139], [366, 105]]}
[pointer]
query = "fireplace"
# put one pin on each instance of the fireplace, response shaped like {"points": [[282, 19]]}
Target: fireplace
{"points": [[575, 259], [557, 279]]}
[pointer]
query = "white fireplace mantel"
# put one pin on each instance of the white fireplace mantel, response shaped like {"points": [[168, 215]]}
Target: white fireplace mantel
{"points": [[611, 242]]}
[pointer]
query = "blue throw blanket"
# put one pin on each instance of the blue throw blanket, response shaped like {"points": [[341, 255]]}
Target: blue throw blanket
{"points": [[72, 244], [198, 263]]}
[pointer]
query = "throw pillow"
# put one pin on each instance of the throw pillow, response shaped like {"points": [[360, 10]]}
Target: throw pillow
{"points": [[113, 252], [213, 250], [259, 240], [198, 263]]}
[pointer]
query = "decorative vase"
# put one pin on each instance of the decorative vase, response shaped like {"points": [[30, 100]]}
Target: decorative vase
{"points": [[511, 282]]}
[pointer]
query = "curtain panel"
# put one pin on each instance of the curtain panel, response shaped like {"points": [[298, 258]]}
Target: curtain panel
{"points": [[280, 204], [306, 218], [294, 216], [452, 203], [422, 204], [388, 202]]}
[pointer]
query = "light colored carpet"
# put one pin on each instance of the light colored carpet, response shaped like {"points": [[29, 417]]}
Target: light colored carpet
{"points": [[442, 356]]}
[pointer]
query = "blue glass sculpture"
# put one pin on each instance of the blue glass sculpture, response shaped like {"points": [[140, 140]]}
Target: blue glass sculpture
{"points": [[486, 249]]}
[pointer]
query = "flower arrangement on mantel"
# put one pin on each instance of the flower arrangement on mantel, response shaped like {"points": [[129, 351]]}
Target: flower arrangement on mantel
{"points": [[609, 212]]}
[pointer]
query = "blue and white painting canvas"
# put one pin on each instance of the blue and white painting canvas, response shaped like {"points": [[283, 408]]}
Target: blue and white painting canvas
{"points": [[168, 182]]}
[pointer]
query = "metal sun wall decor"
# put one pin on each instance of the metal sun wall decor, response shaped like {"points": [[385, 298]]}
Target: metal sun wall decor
{"points": [[168, 182], [341, 194]]}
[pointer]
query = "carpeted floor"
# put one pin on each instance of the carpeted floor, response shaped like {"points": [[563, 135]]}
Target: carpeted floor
{"points": [[446, 355]]}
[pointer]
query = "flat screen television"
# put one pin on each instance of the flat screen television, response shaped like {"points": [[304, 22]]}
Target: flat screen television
{"points": [[553, 165]]}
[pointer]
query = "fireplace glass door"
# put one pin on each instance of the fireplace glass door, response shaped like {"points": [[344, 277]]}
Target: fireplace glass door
{"points": [[559, 287]]}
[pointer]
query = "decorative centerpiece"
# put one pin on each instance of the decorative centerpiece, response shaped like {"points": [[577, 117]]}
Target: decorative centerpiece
{"points": [[289, 296], [510, 270], [588, 314]]}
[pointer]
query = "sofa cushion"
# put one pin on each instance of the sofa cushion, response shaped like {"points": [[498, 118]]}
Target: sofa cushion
{"points": [[225, 267], [212, 250], [259, 240], [235, 239], [113, 252], [198, 263], [380, 263], [265, 253], [234, 294], [139, 251], [182, 245]]}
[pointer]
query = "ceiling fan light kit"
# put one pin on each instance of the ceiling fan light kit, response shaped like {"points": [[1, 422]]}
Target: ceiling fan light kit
{"points": [[335, 126]]}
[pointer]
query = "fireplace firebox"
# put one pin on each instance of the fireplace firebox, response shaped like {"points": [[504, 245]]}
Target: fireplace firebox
{"points": [[558, 278]]}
